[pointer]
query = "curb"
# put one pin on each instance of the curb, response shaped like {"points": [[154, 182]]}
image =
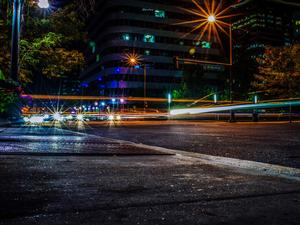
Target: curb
{"points": [[244, 166]]}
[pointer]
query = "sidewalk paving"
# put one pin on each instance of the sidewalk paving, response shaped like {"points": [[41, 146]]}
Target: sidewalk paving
{"points": [[132, 189]]}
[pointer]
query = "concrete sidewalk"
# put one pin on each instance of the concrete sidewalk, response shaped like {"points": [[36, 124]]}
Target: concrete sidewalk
{"points": [[133, 189]]}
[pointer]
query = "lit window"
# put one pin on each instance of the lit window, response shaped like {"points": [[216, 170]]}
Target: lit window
{"points": [[149, 38], [147, 52], [126, 37], [160, 13], [205, 44], [97, 58]]}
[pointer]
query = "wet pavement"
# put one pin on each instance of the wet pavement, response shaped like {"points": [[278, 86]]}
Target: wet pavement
{"points": [[52, 141], [132, 189]]}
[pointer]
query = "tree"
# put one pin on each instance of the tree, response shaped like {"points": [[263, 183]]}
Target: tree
{"points": [[48, 46], [51, 46], [45, 56], [6, 98], [5, 13], [279, 72]]}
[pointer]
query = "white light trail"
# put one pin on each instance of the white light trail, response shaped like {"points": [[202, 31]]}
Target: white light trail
{"points": [[175, 112]]}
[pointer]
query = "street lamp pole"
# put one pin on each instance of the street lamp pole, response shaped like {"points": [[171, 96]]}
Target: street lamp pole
{"points": [[230, 61], [14, 109], [145, 86], [15, 39], [232, 117], [16, 26], [134, 60]]}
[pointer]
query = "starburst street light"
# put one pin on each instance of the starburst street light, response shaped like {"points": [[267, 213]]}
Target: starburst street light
{"points": [[132, 59], [209, 20]]}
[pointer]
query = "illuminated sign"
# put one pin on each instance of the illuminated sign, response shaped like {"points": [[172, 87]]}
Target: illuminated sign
{"points": [[149, 38], [205, 44], [159, 13]]}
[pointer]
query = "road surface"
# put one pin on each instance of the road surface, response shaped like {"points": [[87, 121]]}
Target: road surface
{"points": [[53, 176], [275, 143]]}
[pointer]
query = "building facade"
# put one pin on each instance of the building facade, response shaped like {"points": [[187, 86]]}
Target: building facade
{"points": [[259, 25], [150, 29]]}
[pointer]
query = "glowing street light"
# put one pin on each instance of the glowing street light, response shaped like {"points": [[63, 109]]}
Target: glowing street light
{"points": [[215, 98], [169, 102], [255, 99], [36, 119], [132, 59], [43, 4], [169, 98], [57, 116], [211, 19], [79, 117]]}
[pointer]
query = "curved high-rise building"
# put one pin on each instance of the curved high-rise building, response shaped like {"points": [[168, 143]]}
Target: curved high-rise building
{"points": [[147, 28]]}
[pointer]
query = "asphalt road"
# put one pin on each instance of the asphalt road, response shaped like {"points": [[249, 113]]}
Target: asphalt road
{"points": [[275, 143], [54, 176], [139, 190]]}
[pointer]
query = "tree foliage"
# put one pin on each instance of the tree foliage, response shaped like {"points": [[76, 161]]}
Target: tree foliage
{"points": [[6, 98], [46, 56], [50, 45], [279, 72], [4, 37]]}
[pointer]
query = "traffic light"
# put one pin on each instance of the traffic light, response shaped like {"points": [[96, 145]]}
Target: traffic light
{"points": [[176, 62]]}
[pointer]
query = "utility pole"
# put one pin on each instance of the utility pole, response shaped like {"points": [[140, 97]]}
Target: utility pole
{"points": [[232, 116], [16, 26], [145, 86]]}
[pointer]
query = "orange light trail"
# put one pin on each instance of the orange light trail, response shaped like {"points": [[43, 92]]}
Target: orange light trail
{"points": [[97, 98]]}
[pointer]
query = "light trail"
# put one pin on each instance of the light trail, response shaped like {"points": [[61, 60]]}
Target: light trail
{"points": [[134, 99], [233, 107]]}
